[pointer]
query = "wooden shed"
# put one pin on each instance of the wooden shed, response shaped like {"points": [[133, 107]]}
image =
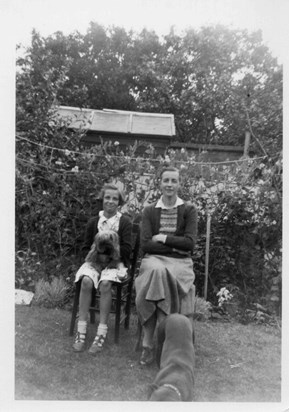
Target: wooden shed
{"points": [[123, 126], [214, 152], [156, 128]]}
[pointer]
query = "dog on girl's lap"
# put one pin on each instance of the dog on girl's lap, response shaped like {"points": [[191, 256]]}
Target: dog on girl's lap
{"points": [[105, 251]]}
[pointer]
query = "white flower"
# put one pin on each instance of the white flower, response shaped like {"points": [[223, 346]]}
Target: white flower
{"points": [[224, 295], [67, 152], [75, 169], [116, 143]]}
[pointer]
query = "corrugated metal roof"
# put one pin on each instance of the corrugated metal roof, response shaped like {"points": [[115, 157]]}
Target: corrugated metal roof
{"points": [[118, 121]]}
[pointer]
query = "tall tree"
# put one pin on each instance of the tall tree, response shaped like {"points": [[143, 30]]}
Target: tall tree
{"points": [[218, 82]]}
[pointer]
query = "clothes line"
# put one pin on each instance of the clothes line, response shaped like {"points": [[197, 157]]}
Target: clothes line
{"points": [[129, 158]]}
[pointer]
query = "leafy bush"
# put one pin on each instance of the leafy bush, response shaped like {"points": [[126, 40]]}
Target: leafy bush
{"points": [[202, 307], [27, 269], [58, 181], [51, 294], [246, 215]]}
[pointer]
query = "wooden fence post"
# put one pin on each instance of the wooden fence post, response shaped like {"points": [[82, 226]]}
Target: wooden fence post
{"points": [[207, 255], [247, 143]]}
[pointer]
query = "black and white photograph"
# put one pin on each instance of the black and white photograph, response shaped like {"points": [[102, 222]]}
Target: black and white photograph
{"points": [[143, 207]]}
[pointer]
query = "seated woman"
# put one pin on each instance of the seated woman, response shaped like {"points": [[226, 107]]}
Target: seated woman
{"points": [[168, 236], [108, 219]]}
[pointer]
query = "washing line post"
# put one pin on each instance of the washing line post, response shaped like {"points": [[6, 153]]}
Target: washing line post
{"points": [[207, 254], [247, 143]]}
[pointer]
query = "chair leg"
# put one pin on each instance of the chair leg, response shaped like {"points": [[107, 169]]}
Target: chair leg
{"points": [[117, 313], [92, 316], [127, 316], [194, 332], [127, 307], [139, 336], [74, 308]]}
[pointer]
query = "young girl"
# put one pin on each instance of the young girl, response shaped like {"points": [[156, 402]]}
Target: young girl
{"points": [[108, 219]]}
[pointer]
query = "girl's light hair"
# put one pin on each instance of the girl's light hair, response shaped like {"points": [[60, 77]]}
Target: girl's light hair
{"points": [[110, 186]]}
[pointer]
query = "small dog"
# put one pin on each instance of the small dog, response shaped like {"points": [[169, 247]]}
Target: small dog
{"points": [[105, 251]]}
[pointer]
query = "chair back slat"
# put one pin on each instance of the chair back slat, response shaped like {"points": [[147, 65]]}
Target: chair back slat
{"points": [[135, 246]]}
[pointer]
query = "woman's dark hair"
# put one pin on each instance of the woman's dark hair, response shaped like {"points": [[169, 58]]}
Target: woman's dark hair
{"points": [[110, 186], [168, 169]]}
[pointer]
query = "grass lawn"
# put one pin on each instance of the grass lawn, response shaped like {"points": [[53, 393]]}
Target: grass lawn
{"points": [[234, 362]]}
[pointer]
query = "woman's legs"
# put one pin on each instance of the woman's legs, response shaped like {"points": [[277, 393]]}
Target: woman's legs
{"points": [[147, 355], [149, 327], [149, 291], [160, 315], [148, 331]]}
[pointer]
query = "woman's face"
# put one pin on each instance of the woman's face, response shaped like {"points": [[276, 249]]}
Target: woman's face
{"points": [[170, 184], [110, 202]]}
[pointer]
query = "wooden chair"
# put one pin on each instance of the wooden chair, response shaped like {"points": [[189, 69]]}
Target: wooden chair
{"points": [[122, 292]]}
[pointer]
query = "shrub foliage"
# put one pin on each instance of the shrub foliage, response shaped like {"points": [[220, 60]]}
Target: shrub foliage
{"points": [[56, 197], [58, 181]]}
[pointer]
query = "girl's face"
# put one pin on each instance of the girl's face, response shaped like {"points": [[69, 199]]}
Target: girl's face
{"points": [[170, 184], [110, 202]]}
